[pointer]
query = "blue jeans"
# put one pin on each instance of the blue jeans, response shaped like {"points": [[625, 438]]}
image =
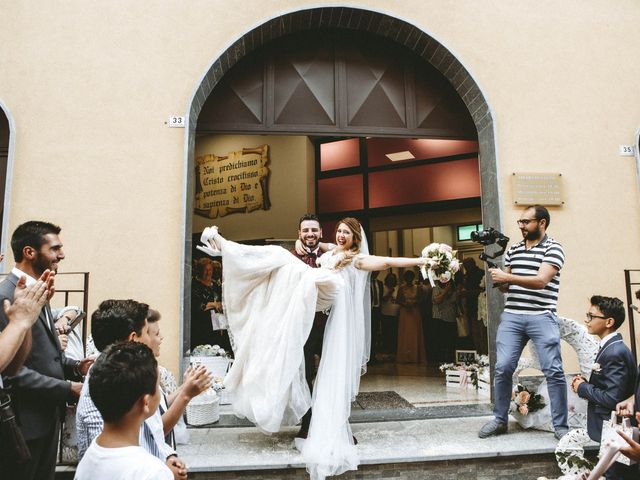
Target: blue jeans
{"points": [[513, 333]]}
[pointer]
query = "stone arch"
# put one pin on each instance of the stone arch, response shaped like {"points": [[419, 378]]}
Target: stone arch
{"points": [[7, 129], [400, 32]]}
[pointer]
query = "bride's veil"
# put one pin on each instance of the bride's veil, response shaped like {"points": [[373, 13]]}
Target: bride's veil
{"points": [[363, 285]]}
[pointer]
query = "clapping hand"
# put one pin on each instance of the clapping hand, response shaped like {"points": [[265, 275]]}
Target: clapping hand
{"points": [[197, 379], [28, 301]]}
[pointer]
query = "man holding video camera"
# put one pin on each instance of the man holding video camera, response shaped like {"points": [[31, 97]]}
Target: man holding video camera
{"points": [[531, 278]]}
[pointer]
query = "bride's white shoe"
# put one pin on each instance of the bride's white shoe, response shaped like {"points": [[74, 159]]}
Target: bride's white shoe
{"points": [[208, 238]]}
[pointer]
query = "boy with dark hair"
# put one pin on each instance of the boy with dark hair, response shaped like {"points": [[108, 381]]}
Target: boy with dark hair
{"points": [[118, 321], [124, 384], [613, 375]]}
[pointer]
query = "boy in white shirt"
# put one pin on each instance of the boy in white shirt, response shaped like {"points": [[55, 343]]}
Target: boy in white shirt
{"points": [[124, 388]]}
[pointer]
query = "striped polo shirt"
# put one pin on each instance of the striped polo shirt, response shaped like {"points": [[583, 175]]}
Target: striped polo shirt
{"points": [[525, 262]]}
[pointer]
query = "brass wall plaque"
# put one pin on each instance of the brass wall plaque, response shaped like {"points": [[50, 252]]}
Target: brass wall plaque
{"points": [[537, 188], [232, 183]]}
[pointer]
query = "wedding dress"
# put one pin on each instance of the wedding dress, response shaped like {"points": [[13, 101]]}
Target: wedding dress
{"points": [[270, 300]]}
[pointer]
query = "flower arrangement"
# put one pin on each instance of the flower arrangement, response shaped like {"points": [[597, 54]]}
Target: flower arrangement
{"points": [[209, 351], [524, 401], [440, 263], [473, 369], [217, 384]]}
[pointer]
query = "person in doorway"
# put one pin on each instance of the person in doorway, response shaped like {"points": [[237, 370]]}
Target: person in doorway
{"points": [[206, 306], [469, 298], [390, 311], [270, 344], [429, 330], [531, 278], [377, 288], [410, 337], [445, 311]]}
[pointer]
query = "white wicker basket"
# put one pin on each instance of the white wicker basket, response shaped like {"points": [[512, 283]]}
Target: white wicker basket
{"points": [[217, 366], [205, 410]]}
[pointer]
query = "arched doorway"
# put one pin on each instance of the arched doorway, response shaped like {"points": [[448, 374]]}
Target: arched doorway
{"points": [[415, 42], [5, 137]]}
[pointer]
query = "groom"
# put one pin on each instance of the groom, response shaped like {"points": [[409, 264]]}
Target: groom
{"points": [[310, 233]]}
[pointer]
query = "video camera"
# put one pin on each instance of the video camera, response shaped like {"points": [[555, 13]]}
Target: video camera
{"points": [[488, 237]]}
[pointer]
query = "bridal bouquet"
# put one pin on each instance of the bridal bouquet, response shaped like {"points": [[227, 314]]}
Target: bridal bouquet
{"points": [[525, 401], [440, 264]]}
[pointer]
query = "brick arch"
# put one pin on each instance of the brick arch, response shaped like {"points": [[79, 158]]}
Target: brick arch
{"points": [[400, 32]]}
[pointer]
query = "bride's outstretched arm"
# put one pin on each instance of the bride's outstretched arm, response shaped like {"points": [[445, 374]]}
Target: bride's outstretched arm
{"points": [[373, 263]]}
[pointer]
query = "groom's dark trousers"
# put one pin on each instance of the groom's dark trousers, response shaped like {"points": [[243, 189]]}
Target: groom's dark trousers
{"points": [[312, 347]]}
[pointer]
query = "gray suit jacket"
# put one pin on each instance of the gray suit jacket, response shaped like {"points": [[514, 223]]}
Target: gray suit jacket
{"points": [[39, 388]]}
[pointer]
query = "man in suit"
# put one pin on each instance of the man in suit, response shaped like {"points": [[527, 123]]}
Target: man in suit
{"points": [[310, 233], [613, 375], [39, 387]]}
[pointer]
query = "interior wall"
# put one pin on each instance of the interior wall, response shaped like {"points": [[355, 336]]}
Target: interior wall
{"points": [[433, 219], [291, 165]]}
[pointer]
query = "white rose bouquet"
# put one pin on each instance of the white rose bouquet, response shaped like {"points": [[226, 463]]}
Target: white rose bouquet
{"points": [[440, 263]]}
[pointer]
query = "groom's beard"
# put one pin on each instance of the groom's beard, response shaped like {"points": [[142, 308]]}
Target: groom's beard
{"points": [[310, 243]]}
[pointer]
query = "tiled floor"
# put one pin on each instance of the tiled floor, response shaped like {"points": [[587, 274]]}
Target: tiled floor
{"points": [[420, 385]]}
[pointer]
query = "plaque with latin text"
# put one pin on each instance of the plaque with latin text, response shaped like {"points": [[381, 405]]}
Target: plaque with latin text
{"points": [[233, 183], [537, 189]]}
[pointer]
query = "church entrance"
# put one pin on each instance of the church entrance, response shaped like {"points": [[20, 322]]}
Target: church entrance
{"points": [[344, 122]]}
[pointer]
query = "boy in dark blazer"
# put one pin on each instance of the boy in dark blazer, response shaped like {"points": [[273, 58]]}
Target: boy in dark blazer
{"points": [[613, 374]]}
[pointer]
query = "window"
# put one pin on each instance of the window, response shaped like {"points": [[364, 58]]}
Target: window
{"points": [[464, 231]]}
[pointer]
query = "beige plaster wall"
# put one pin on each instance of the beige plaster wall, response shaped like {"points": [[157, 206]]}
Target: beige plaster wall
{"points": [[90, 86], [292, 167]]}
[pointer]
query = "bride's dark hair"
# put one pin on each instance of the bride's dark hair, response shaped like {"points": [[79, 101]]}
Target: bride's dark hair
{"points": [[355, 227]]}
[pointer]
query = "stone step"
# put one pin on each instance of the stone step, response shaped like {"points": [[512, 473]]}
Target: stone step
{"points": [[432, 448]]}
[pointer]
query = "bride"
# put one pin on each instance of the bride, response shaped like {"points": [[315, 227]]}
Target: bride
{"points": [[270, 300]]}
